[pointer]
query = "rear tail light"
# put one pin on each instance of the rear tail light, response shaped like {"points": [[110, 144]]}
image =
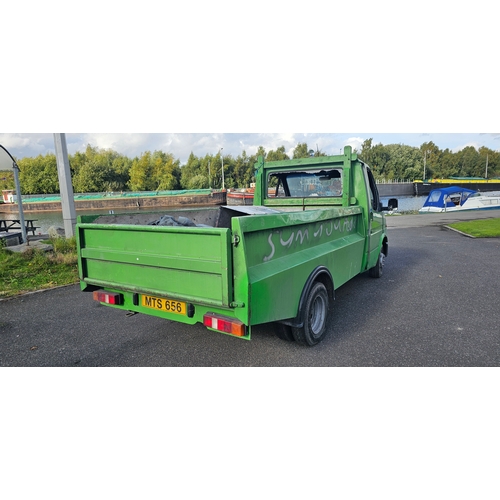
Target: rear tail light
{"points": [[224, 324], [108, 297]]}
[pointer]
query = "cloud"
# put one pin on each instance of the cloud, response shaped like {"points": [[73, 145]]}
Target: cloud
{"points": [[20, 145], [495, 137], [355, 142], [475, 145]]}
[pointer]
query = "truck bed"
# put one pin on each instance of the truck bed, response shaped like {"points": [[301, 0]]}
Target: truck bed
{"points": [[212, 216], [133, 252], [129, 252]]}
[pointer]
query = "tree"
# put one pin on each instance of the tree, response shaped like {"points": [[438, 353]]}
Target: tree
{"points": [[404, 162], [244, 170], [277, 155], [261, 152], [301, 151], [376, 157], [468, 159], [91, 177], [7, 179], [431, 157], [366, 151], [39, 175], [121, 173], [166, 171], [229, 181], [447, 167], [488, 157], [189, 170], [156, 171], [141, 173], [99, 170], [75, 163], [217, 171]]}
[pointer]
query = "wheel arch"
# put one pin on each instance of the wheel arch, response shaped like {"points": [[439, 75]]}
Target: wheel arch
{"points": [[320, 274], [385, 245]]}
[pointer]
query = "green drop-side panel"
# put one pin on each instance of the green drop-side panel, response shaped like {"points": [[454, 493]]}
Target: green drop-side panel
{"points": [[190, 264], [281, 251]]}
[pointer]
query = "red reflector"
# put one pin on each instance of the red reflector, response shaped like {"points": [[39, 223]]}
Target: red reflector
{"points": [[224, 324], [113, 298]]}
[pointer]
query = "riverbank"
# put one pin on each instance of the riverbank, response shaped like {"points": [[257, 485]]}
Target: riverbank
{"points": [[42, 264]]}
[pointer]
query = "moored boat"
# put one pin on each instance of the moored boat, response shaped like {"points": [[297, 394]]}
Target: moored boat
{"points": [[455, 198]]}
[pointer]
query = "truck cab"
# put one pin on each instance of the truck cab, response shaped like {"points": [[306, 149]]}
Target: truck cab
{"points": [[320, 182]]}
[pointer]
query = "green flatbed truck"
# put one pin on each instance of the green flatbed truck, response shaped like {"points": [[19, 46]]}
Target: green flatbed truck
{"points": [[315, 224]]}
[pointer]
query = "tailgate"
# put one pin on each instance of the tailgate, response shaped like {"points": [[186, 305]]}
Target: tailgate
{"points": [[186, 263]]}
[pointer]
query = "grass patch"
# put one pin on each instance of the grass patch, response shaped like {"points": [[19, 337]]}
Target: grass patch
{"points": [[485, 228], [35, 269]]}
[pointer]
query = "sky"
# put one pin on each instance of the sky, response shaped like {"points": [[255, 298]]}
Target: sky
{"points": [[182, 144]]}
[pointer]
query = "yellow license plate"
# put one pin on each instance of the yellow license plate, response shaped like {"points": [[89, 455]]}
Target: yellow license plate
{"points": [[162, 304]]}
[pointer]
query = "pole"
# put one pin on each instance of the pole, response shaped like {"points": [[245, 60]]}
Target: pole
{"points": [[425, 155], [20, 202], [222, 159], [65, 187]]}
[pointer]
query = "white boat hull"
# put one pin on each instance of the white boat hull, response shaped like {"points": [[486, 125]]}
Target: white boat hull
{"points": [[472, 203]]}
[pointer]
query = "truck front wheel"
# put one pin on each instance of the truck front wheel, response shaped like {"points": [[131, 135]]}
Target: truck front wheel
{"points": [[315, 312], [376, 272]]}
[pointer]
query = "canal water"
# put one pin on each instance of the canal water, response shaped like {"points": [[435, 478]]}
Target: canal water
{"points": [[47, 219], [407, 203]]}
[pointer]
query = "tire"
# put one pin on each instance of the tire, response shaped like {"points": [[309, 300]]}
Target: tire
{"points": [[376, 272], [315, 313], [283, 332]]}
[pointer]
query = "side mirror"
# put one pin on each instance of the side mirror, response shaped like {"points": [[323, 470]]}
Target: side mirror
{"points": [[392, 204]]}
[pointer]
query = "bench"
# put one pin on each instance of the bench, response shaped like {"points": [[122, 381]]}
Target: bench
{"points": [[8, 224]]}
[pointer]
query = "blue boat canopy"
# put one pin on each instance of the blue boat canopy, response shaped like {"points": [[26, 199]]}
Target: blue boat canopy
{"points": [[452, 196]]}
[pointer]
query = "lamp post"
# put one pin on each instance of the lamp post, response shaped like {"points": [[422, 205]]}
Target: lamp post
{"points": [[65, 186], [222, 159], [425, 158], [18, 193]]}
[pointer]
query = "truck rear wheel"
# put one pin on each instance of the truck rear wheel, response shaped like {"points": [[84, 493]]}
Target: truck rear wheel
{"points": [[315, 312]]}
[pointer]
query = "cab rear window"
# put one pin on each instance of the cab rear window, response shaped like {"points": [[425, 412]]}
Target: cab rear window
{"points": [[324, 183]]}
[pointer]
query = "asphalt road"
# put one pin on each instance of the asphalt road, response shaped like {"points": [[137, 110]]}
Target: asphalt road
{"points": [[437, 304]]}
